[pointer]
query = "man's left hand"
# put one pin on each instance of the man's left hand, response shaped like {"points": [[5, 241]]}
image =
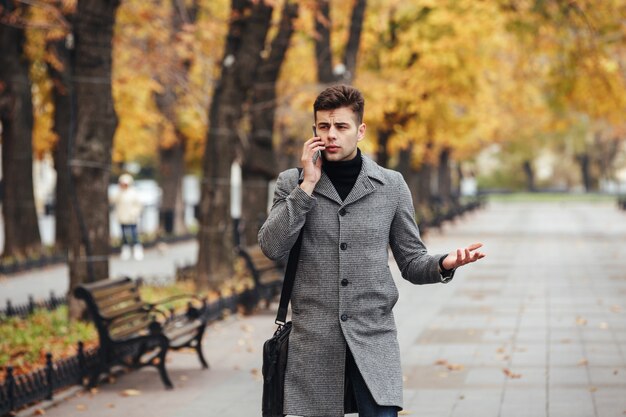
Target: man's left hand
{"points": [[461, 257]]}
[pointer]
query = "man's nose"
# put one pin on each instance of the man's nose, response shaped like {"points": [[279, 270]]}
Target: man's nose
{"points": [[332, 133]]}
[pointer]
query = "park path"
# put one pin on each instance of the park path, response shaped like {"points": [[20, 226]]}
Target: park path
{"points": [[537, 329]]}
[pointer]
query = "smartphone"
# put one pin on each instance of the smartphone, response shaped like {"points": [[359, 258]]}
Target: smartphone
{"points": [[317, 154]]}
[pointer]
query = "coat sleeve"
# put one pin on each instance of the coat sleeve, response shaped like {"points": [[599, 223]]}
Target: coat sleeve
{"points": [[286, 218], [410, 253]]}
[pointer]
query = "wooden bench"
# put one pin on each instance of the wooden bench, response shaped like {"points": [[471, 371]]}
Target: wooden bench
{"points": [[266, 273], [134, 333]]}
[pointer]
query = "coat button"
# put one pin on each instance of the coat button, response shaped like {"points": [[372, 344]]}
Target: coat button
{"points": [[344, 317], [342, 212], [343, 246], [344, 282]]}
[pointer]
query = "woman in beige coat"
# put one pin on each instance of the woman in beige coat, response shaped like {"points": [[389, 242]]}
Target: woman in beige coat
{"points": [[343, 348]]}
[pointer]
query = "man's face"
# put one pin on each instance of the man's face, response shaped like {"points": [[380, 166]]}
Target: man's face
{"points": [[340, 133]]}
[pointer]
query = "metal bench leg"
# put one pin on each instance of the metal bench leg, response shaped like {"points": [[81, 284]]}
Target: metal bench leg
{"points": [[198, 340], [161, 366]]}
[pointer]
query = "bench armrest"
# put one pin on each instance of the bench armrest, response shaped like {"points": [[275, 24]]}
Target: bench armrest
{"points": [[174, 298]]}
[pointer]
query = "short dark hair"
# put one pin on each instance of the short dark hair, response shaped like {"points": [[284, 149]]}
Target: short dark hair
{"points": [[338, 96]]}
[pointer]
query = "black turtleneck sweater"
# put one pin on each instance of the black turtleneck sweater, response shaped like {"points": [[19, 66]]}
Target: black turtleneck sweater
{"points": [[343, 174]]}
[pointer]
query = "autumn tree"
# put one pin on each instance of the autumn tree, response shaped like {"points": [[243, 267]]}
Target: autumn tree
{"points": [[90, 147], [16, 117], [175, 56], [248, 29], [259, 162]]}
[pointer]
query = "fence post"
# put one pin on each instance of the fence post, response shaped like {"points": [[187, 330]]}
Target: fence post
{"points": [[9, 308], [53, 300], [82, 363], [31, 304], [10, 387], [49, 371]]}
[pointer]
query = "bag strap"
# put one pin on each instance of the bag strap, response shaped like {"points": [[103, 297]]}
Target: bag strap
{"points": [[290, 275]]}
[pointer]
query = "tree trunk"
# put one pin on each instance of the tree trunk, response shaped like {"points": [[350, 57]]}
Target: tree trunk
{"points": [[64, 117], [444, 176], [424, 193], [172, 159], [259, 165], [172, 170], [21, 229], [90, 149], [530, 176], [585, 170], [323, 53], [245, 41], [354, 39], [382, 156]]}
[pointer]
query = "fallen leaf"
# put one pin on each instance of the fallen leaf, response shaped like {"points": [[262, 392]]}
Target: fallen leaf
{"points": [[441, 362], [455, 367], [81, 407], [405, 413], [183, 377], [501, 350], [247, 328], [254, 371], [581, 321], [93, 390], [130, 393], [511, 374], [583, 362], [593, 389], [111, 405], [616, 309], [40, 412], [604, 325]]}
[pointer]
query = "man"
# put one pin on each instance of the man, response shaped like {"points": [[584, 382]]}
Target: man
{"points": [[343, 346]]}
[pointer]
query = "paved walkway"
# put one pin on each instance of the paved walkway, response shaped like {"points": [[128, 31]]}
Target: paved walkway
{"points": [[537, 329], [159, 264]]}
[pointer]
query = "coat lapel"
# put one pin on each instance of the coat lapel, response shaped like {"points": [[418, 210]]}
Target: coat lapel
{"points": [[364, 185], [327, 189]]}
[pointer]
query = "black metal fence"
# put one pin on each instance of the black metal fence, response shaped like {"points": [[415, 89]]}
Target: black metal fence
{"points": [[20, 391], [26, 309]]}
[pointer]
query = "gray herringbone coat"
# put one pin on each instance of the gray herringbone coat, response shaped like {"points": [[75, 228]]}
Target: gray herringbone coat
{"points": [[344, 291]]}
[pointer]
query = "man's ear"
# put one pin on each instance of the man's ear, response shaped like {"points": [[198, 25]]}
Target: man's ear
{"points": [[361, 133]]}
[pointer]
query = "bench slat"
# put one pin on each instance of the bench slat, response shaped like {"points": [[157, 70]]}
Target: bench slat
{"points": [[115, 310], [122, 298], [137, 329], [124, 321], [106, 292]]}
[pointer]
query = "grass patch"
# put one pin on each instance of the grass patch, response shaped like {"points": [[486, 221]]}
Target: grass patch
{"points": [[25, 342]]}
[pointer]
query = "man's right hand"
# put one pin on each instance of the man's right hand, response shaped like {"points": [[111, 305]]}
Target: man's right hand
{"points": [[312, 171]]}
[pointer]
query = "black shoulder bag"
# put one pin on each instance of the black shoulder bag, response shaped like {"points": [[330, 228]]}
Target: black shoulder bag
{"points": [[275, 349]]}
